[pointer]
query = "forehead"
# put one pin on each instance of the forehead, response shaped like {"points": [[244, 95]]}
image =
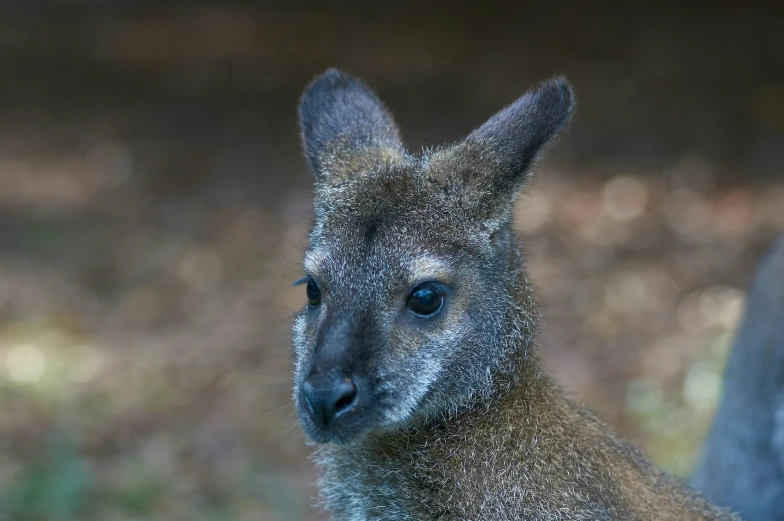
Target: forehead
{"points": [[412, 197], [396, 217], [391, 222], [378, 246]]}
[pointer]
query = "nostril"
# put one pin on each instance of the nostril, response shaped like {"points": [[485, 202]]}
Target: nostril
{"points": [[311, 399], [344, 402], [348, 397], [309, 404], [328, 397]]}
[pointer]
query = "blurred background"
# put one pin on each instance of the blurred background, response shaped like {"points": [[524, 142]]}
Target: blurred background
{"points": [[154, 202]]}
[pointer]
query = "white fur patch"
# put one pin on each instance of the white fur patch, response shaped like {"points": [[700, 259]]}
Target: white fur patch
{"points": [[428, 267], [314, 259]]}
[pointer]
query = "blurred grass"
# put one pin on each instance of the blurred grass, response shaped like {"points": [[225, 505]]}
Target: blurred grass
{"points": [[54, 486], [57, 485]]}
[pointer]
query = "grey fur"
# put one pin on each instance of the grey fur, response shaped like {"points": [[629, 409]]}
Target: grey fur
{"points": [[338, 116], [455, 419], [742, 465]]}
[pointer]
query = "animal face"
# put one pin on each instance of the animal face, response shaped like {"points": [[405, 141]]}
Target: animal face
{"points": [[411, 264]]}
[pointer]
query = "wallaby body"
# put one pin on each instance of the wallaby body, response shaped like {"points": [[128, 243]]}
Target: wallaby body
{"points": [[530, 454], [415, 358], [742, 464]]}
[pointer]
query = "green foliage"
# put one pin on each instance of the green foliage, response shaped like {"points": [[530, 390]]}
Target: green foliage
{"points": [[54, 487]]}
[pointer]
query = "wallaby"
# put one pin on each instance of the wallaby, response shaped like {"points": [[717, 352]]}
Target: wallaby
{"points": [[742, 465], [415, 356]]}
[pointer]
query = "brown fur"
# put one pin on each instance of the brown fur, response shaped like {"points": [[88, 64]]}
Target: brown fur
{"points": [[452, 417], [527, 453]]}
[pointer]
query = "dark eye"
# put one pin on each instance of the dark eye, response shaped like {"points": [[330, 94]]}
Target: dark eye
{"points": [[426, 299], [314, 293]]}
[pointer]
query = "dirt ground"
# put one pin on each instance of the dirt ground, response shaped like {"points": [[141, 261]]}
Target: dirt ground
{"points": [[154, 203]]}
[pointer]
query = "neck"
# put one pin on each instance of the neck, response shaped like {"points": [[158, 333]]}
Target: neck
{"points": [[519, 358]]}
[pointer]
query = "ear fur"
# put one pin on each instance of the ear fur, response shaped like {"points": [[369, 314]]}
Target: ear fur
{"points": [[496, 159], [344, 124]]}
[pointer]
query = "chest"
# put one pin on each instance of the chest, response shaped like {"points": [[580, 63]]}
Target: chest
{"points": [[419, 487]]}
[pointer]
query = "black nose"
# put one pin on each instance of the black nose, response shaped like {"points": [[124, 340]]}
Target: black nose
{"points": [[329, 396]]}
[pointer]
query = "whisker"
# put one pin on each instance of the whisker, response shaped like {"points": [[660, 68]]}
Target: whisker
{"points": [[282, 265], [288, 357], [283, 257], [276, 407], [254, 371], [300, 248], [285, 320]]}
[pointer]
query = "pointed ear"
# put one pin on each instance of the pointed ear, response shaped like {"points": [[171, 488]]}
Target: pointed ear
{"points": [[496, 159], [343, 121]]}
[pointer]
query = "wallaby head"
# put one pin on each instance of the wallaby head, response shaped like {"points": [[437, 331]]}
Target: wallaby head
{"points": [[416, 298]]}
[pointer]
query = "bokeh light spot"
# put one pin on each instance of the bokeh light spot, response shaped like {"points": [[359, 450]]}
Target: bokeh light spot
{"points": [[624, 198], [25, 363]]}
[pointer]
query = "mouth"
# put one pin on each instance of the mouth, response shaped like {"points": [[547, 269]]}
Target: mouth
{"points": [[348, 428]]}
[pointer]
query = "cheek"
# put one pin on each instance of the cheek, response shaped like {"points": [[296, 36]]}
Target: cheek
{"points": [[416, 354], [417, 339], [302, 333]]}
